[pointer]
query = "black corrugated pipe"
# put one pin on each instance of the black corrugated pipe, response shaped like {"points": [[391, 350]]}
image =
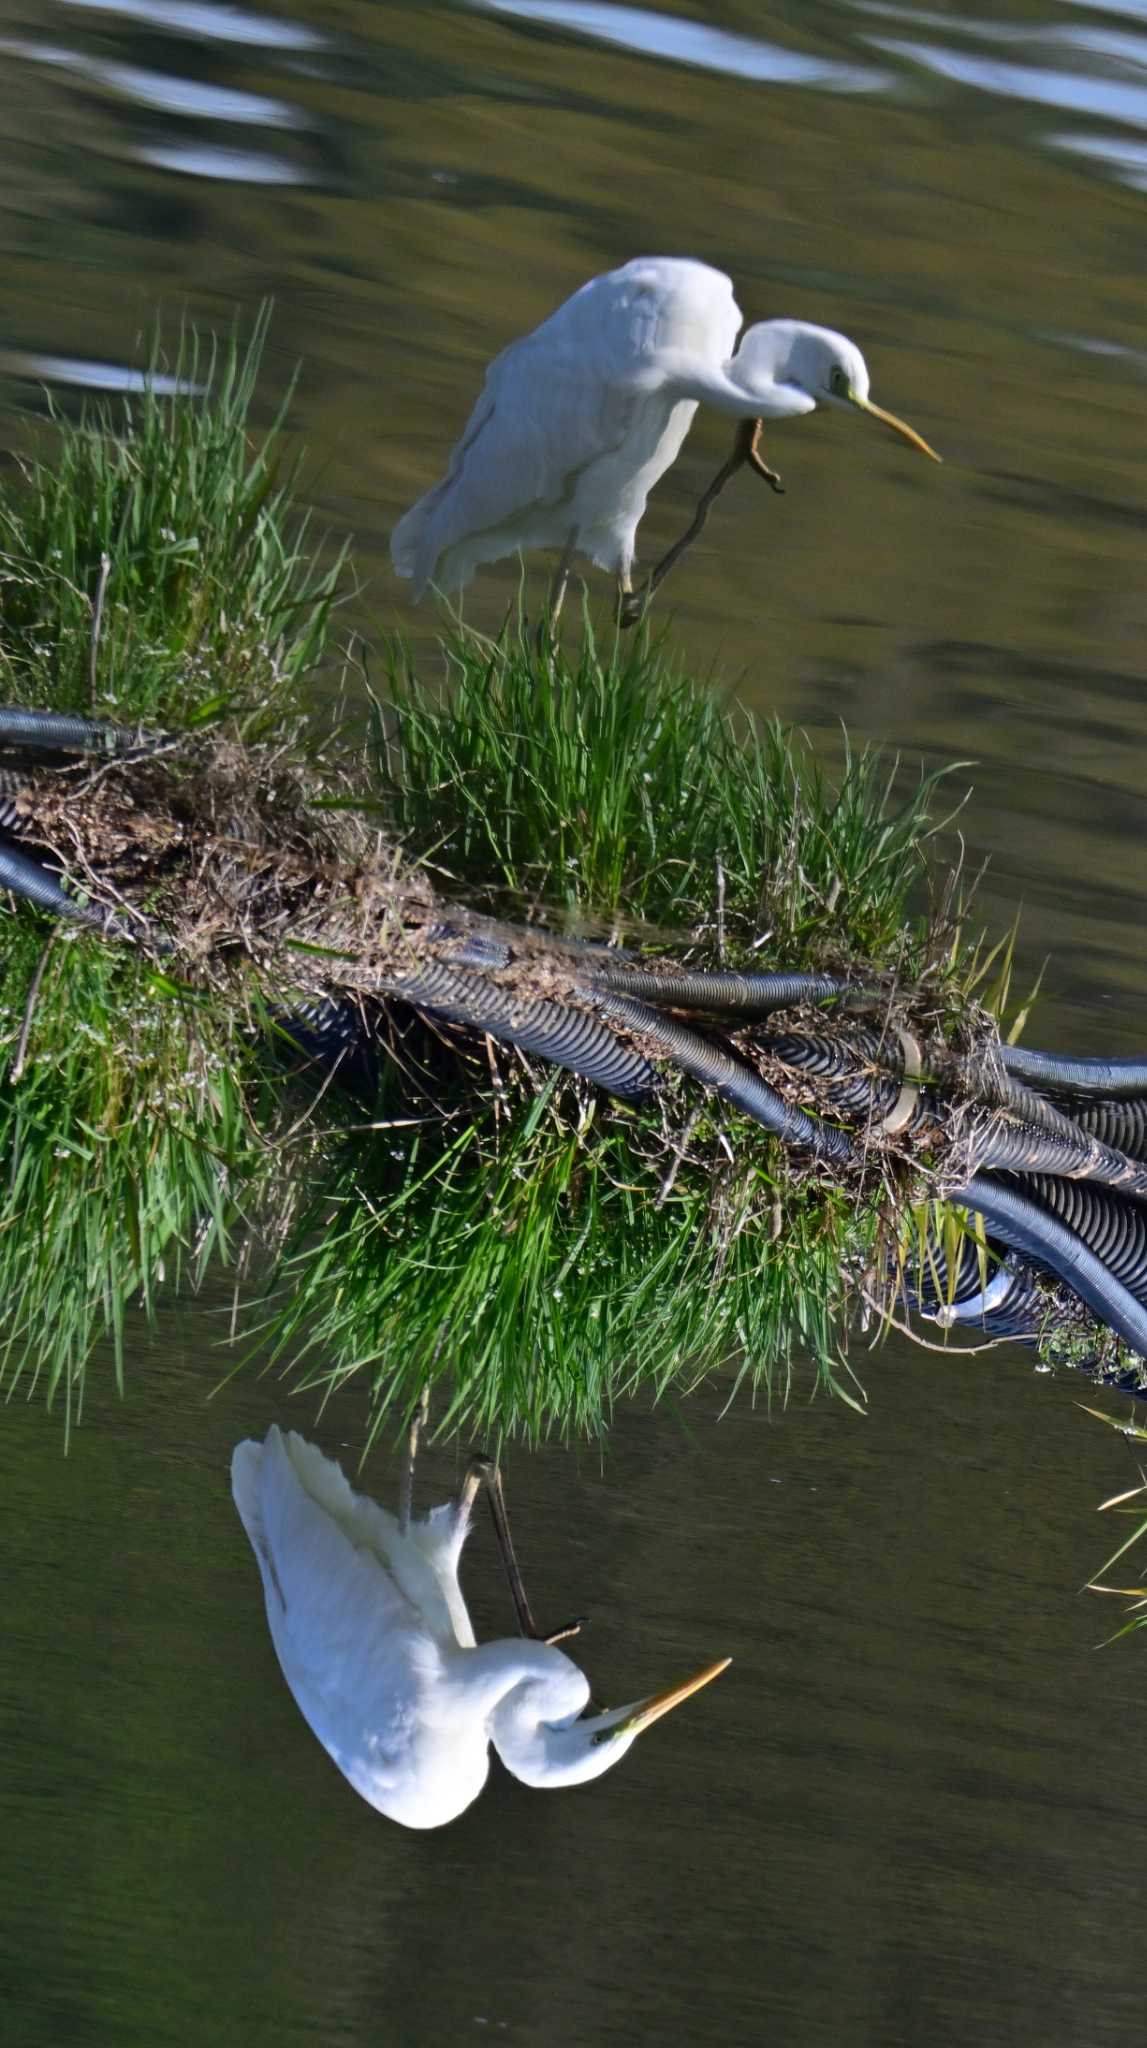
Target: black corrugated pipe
{"points": [[1075, 1077], [11, 786], [59, 732], [1121, 1124], [995, 1295], [1115, 1230], [570, 1038], [25, 877], [1024, 1148], [1021, 1223], [717, 991], [862, 1073], [1036, 1109], [731, 1077], [1009, 1305]]}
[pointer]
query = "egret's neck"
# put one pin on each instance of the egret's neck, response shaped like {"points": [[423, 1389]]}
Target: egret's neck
{"points": [[718, 388], [547, 1756], [492, 1670], [763, 380]]}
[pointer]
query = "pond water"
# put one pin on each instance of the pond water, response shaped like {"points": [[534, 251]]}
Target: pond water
{"points": [[911, 1810]]}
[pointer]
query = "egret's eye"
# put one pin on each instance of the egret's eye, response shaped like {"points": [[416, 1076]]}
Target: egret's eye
{"points": [[838, 382]]}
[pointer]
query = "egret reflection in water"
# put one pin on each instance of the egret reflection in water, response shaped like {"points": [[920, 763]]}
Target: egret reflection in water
{"points": [[578, 420], [375, 1641]]}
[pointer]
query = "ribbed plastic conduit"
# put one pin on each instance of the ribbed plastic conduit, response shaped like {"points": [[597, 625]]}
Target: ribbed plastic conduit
{"points": [[731, 1077], [1121, 1124], [1075, 1077], [1116, 1231], [59, 730], [718, 991], [570, 1038], [25, 877], [1021, 1223]]}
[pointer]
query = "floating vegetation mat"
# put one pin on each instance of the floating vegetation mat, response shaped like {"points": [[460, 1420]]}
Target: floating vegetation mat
{"points": [[302, 1035]]}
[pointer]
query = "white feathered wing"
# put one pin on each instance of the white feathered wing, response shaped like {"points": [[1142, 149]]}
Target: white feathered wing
{"points": [[363, 1616], [575, 424]]}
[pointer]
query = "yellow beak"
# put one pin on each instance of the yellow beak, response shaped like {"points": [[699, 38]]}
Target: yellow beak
{"points": [[900, 427], [648, 1711]]}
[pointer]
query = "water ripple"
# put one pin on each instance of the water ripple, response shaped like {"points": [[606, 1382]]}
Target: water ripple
{"points": [[92, 376], [216, 24], [1126, 158], [1075, 92], [162, 91], [692, 42], [235, 166], [167, 94]]}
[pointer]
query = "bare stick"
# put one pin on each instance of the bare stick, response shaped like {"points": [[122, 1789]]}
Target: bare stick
{"points": [[562, 576], [945, 1350], [745, 452], [544, 636], [666, 1188], [21, 1053], [97, 622], [418, 1424]]}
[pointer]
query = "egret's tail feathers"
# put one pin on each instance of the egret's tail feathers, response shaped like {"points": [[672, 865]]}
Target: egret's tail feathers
{"points": [[412, 548], [404, 543], [246, 1465], [247, 1479], [260, 1472]]}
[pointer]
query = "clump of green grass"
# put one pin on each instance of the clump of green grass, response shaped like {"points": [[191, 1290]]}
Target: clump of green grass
{"points": [[606, 784], [155, 564], [538, 1250]]}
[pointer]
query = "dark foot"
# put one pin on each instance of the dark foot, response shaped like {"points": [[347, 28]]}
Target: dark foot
{"points": [[750, 449], [632, 606], [568, 1629]]}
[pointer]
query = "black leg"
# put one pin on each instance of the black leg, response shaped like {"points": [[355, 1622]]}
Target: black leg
{"points": [[632, 606], [483, 1469]]}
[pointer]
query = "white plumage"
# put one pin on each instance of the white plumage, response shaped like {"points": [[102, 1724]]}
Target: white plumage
{"points": [[575, 424], [375, 1641], [578, 420]]}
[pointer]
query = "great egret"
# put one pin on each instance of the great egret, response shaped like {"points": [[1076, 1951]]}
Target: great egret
{"points": [[578, 420], [375, 1642]]}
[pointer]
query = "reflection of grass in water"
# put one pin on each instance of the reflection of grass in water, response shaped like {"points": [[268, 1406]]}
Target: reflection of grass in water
{"points": [[125, 1151], [1132, 1503], [546, 1249]]}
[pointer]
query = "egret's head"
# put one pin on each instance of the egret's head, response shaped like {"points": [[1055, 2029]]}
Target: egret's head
{"points": [[539, 1736], [818, 367]]}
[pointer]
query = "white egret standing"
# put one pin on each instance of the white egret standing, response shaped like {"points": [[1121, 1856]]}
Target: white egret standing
{"points": [[578, 420], [375, 1642]]}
